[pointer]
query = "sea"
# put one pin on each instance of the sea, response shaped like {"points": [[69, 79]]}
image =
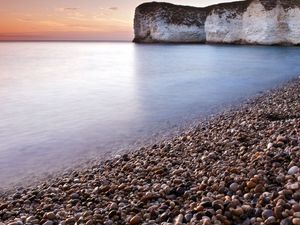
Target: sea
{"points": [[66, 103]]}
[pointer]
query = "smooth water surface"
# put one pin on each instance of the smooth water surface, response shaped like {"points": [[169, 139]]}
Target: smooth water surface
{"points": [[64, 102]]}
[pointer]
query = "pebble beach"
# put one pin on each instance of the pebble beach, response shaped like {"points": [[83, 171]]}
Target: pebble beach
{"points": [[241, 167]]}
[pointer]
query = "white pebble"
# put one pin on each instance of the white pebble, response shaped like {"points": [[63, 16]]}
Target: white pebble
{"points": [[293, 170]]}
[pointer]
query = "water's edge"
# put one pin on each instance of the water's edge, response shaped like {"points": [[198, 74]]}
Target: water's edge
{"points": [[142, 144]]}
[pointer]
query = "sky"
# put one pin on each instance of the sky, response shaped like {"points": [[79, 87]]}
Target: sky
{"points": [[73, 20]]}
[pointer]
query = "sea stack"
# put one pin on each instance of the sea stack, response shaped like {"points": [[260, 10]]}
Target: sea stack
{"points": [[265, 22]]}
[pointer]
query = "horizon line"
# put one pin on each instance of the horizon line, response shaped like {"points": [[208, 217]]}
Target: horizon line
{"points": [[64, 40]]}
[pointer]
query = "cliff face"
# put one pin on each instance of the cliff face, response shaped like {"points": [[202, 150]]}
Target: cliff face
{"points": [[267, 22], [163, 22]]}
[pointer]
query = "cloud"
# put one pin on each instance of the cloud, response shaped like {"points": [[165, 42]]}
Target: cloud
{"points": [[72, 13], [108, 11], [51, 23], [84, 27], [72, 9], [48, 23], [76, 16], [25, 20], [67, 9], [114, 8]]}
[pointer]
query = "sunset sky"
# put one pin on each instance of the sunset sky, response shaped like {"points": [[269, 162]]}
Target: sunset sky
{"points": [[72, 20]]}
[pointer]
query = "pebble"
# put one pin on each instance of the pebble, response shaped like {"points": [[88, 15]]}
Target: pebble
{"points": [[294, 186], [70, 220], [234, 187], [75, 196], [267, 213], [188, 217], [30, 219], [49, 222], [251, 184], [278, 211], [296, 207], [206, 221], [286, 221], [15, 223], [270, 220], [281, 138], [296, 221], [293, 170], [270, 145], [178, 220], [135, 220], [50, 216]]}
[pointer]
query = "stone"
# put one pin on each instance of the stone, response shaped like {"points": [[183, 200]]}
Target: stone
{"points": [[293, 170], [286, 221], [15, 223], [259, 188], [75, 196], [188, 217], [267, 213], [135, 220], [70, 220], [49, 222], [108, 222], [296, 221], [251, 184], [178, 220], [205, 204], [281, 139], [278, 212], [30, 219], [238, 211], [270, 220], [294, 186], [113, 206], [206, 221], [50, 216], [89, 222], [296, 207], [246, 222], [234, 187]]}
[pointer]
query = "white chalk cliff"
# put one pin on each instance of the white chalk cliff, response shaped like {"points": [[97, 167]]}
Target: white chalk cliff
{"points": [[267, 22]]}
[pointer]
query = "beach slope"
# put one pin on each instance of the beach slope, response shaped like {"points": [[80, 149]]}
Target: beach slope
{"points": [[242, 167]]}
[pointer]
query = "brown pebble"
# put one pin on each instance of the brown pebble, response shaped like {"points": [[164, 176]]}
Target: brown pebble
{"points": [[296, 221], [259, 188], [135, 220], [251, 184], [89, 222], [50, 216], [278, 212], [296, 207]]}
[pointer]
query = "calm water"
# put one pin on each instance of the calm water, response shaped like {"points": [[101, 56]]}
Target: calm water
{"points": [[64, 102]]}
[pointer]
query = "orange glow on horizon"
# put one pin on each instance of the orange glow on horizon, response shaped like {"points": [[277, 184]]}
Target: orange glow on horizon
{"points": [[76, 20], [60, 21]]}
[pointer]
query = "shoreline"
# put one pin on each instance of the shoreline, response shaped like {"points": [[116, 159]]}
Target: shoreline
{"points": [[239, 167]]}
